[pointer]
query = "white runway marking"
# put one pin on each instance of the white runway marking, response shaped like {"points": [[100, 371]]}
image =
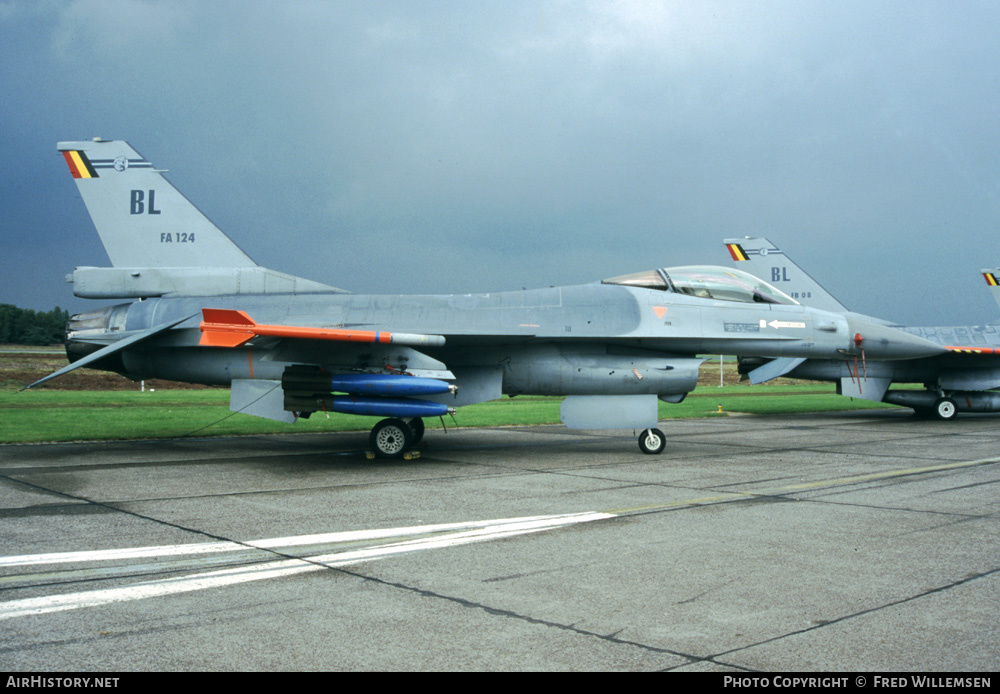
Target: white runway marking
{"points": [[429, 537], [271, 543]]}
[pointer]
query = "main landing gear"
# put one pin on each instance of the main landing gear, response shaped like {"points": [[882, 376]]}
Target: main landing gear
{"points": [[394, 438], [943, 408], [652, 441]]}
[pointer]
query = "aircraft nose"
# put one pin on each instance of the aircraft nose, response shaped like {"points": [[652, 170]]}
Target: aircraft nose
{"points": [[884, 342]]}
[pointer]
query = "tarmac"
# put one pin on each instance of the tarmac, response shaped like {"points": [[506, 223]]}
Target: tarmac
{"points": [[813, 543]]}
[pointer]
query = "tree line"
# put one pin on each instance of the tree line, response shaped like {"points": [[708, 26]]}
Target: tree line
{"points": [[22, 326]]}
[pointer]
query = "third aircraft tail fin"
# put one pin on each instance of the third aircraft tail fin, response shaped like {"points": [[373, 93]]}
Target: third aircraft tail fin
{"points": [[993, 281]]}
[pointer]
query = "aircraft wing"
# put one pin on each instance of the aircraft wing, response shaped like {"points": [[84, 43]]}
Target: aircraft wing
{"points": [[381, 373]]}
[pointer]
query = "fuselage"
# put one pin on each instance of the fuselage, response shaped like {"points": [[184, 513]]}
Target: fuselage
{"points": [[588, 338]]}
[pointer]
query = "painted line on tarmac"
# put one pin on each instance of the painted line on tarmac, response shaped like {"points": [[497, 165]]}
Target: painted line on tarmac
{"points": [[480, 531], [424, 537], [801, 487], [271, 543]]}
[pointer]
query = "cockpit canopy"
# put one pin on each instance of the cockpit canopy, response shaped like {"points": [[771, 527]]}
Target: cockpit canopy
{"points": [[706, 281]]}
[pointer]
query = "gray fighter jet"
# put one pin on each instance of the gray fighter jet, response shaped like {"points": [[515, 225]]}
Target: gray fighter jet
{"points": [[202, 311], [962, 379]]}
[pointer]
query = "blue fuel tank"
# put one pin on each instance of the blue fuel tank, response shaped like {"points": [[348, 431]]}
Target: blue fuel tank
{"points": [[387, 384], [387, 407]]}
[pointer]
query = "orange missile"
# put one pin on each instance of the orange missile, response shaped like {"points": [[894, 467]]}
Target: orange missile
{"points": [[221, 327]]}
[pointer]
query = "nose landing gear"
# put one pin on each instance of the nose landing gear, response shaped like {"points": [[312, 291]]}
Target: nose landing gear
{"points": [[652, 441]]}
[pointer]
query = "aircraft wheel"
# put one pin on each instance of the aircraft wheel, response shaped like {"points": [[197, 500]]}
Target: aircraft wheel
{"points": [[652, 441], [416, 425], [391, 438], [945, 408]]}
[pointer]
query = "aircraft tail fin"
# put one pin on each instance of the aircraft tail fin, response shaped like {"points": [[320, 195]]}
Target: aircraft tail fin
{"points": [[159, 243], [769, 263], [143, 221], [992, 278]]}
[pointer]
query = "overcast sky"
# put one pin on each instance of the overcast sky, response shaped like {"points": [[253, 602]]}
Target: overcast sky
{"points": [[438, 147]]}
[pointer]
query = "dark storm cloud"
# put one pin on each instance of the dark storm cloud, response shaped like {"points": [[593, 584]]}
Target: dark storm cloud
{"points": [[439, 147]]}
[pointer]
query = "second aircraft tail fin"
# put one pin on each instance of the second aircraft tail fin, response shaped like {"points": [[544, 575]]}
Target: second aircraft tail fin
{"points": [[769, 263]]}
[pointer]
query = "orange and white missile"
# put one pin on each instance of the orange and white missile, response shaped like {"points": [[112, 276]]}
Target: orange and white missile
{"points": [[221, 327]]}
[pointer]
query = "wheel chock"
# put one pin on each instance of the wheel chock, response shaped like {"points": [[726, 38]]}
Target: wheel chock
{"points": [[409, 455]]}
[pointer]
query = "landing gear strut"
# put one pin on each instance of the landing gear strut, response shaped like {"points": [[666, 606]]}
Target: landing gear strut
{"points": [[652, 441]]}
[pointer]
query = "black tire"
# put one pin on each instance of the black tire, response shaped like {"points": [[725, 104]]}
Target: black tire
{"points": [[417, 429], [945, 408], [652, 442], [391, 438]]}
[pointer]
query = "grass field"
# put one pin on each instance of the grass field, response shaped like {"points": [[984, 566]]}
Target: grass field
{"points": [[94, 415], [90, 411]]}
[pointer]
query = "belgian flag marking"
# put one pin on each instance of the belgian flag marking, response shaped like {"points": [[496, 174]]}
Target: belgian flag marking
{"points": [[991, 279], [736, 250], [973, 350], [79, 165]]}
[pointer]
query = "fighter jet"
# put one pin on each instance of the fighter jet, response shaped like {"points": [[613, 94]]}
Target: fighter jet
{"points": [[961, 379], [200, 310]]}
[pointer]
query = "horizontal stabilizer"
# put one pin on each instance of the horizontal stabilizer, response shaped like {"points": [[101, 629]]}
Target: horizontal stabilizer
{"points": [[110, 349], [231, 328], [147, 282]]}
